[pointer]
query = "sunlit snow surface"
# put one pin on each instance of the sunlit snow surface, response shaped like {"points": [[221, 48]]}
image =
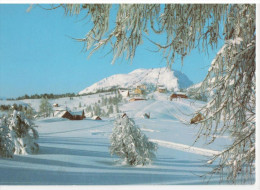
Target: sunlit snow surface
{"points": [[77, 152]]}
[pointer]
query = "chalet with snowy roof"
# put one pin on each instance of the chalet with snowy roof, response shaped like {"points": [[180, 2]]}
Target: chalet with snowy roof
{"points": [[96, 117], [178, 95], [124, 93], [59, 113], [70, 115], [161, 88]]}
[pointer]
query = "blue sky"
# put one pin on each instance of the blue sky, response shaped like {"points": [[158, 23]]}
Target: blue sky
{"points": [[38, 56]]}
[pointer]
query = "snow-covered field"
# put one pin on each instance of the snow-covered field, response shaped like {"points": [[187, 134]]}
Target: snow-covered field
{"points": [[66, 102], [77, 152]]}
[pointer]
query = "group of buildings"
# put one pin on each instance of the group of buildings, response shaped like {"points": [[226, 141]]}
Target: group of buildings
{"points": [[138, 93], [65, 113]]}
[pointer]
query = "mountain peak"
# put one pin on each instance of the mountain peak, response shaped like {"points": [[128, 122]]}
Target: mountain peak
{"points": [[171, 79]]}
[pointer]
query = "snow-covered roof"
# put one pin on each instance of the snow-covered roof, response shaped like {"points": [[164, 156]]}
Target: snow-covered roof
{"points": [[181, 93], [76, 113], [59, 113], [95, 117], [160, 85], [124, 93], [162, 88]]}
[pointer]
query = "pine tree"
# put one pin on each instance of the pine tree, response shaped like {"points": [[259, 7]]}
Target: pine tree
{"points": [[117, 109], [6, 145], [23, 133], [29, 112], [45, 107], [130, 144], [110, 109]]}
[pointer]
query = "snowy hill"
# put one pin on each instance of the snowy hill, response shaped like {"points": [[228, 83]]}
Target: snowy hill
{"points": [[171, 79], [77, 152]]}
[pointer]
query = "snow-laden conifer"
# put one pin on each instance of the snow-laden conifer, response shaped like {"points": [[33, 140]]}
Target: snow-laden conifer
{"points": [[23, 133], [130, 144], [6, 144], [45, 107]]}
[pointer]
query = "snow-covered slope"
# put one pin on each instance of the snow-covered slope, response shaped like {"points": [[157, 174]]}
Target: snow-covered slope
{"points": [[171, 79], [77, 152]]}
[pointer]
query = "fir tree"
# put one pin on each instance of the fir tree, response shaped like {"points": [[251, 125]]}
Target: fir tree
{"points": [[110, 109], [45, 107], [29, 112], [23, 133], [6, 145], [117, 108], [130, 144]]}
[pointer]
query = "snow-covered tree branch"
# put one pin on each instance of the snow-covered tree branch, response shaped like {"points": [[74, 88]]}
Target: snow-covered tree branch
{"points": [[17, 135]]}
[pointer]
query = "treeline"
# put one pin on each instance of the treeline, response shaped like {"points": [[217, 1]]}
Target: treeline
{"points": [[55, 96], [45, 95], [112, 89], [26, 109], [106, 106]]}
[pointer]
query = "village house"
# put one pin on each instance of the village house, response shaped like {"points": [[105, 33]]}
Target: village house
{"points": [[142, 86], [70, 115], [124, 93], [96, 117], [178, 95], [161, 89], [138, 91]]}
